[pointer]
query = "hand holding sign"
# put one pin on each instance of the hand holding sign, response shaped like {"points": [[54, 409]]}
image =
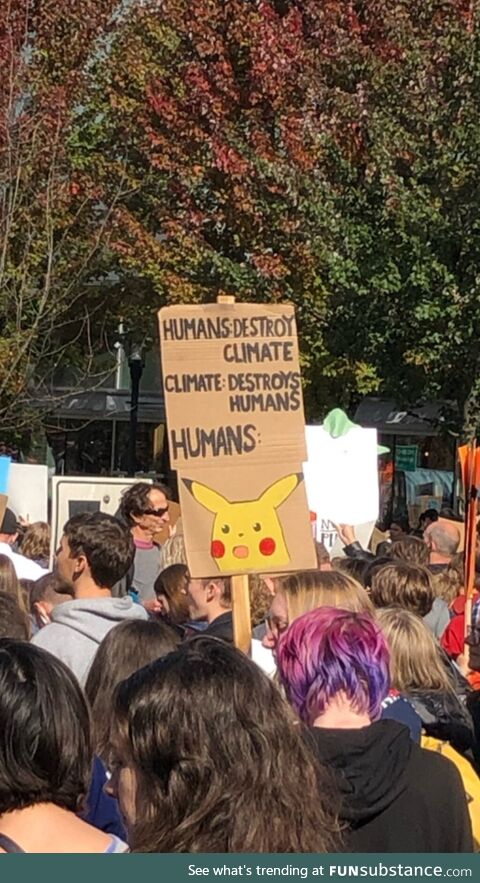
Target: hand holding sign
{"points": [[346, 533]]}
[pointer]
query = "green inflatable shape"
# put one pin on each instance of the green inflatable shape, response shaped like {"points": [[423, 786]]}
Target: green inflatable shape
{"points": [[337, 424]]}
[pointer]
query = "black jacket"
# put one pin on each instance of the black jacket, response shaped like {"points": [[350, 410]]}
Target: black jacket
{"points": [[396, 796], [221, 627], [355, 550], [444, 716]]}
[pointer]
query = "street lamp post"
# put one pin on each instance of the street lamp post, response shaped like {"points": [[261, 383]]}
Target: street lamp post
{"points": [[136, 365]]}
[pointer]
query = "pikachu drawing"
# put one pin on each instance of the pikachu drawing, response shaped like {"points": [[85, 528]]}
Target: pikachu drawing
{"points": [[247, 535]]}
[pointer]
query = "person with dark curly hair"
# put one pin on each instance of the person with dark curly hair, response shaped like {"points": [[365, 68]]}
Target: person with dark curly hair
{"points": [[144, 509]]}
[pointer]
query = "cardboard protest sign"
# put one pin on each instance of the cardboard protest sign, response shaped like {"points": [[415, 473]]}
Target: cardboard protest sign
{"points": [[232, 384], [3, 506], [341, 478], [236, 435], [74, 494], [246, 521], [28, 491]]}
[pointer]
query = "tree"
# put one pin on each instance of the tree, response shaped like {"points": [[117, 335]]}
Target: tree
{"points": [[323, 153], [53, 222]]}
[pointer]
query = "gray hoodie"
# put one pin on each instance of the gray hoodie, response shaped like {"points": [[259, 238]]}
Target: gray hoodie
{"points": [[78, 627], [438, 618]]}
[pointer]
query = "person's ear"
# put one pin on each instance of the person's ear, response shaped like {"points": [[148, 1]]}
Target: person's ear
{"points": [[163, 605], [41, 614], [270, 584], [211, 590], [12, 539], [79, 567]]}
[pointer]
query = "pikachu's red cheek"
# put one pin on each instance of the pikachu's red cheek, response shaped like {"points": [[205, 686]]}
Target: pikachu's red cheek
{"points": [[217, 549], [267, 546]]}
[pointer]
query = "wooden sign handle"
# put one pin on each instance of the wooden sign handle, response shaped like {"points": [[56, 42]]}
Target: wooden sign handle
{"points": [[242, 623]]}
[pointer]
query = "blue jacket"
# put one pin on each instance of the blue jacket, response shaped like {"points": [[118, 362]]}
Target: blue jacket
{"points": [[102, 810], [397, 708]]}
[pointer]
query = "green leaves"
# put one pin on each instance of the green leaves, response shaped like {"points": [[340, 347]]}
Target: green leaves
{"points": [[324, 154]]}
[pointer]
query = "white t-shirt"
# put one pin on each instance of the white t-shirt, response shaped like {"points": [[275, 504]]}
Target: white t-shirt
{"points": [[24, 568], [263, 657]]}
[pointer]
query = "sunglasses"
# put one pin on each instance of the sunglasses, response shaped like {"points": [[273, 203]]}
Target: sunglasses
{"points": [[158, 513]]}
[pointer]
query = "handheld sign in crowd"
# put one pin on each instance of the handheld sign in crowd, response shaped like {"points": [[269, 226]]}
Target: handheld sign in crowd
{"points": [[28, 491], [237, 437], [341, 478]]}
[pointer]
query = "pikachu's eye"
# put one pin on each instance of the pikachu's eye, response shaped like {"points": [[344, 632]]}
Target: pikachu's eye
{"points": [[257, 526], [225, 528]]}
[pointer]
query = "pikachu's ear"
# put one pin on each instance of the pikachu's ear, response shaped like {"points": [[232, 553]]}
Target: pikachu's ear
{"points": [[277, 493], [204, 495]]}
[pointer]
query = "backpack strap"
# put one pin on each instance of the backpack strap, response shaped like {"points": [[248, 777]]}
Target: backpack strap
{"points": [[9, 845]]}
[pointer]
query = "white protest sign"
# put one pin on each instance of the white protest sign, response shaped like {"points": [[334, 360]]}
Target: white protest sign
{"points": [[74, 494], [326, 533], [341, 480], [28, 491]]}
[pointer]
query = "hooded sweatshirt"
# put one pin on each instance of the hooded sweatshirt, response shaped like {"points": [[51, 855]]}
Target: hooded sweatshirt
{"points": [[78, 627], [396, 796]]}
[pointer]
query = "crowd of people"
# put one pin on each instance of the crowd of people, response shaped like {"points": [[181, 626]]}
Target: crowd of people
{"points": [[130, 722]]}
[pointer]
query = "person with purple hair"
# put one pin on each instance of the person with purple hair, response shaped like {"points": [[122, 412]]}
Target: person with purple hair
{"points": [[396, 796]]}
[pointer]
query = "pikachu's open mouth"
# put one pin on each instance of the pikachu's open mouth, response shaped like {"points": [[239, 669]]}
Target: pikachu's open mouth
{"points": [[241, 551]]}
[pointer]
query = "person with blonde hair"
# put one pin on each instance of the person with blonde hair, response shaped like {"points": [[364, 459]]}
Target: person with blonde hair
{"points": [[35, 543], [449, 583], [420, 672], [301, 592]]}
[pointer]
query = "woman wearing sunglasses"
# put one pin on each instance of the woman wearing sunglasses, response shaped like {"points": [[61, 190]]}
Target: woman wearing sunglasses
{"points": [[144, 508]]}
